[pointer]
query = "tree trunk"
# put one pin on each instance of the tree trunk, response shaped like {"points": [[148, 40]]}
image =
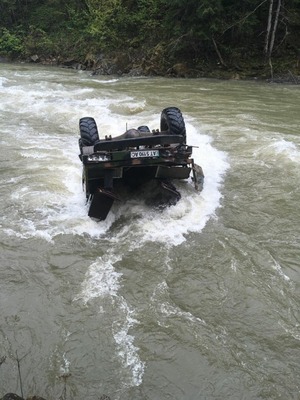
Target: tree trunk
{"points": [[274, 27], [269, 28], [218, 52]]}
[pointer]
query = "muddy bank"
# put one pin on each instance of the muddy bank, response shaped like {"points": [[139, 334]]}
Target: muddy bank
{"points": [[155, 64]]}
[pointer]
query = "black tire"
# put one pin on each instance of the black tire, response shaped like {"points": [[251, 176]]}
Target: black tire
{"points": [[171, 120], [80, 144], [88, 131]]}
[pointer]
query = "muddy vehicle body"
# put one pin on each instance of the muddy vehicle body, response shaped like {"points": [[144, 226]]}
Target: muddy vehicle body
{"points": [[133, 159]]}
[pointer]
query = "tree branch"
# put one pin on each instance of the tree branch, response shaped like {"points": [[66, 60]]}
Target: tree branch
{"points": [[244, 18]]}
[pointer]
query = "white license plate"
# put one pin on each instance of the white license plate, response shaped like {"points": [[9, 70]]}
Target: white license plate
{"points": [[144, 153]]}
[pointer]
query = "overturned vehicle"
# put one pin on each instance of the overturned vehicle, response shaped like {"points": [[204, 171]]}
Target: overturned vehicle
{"points": [[133, 159]]}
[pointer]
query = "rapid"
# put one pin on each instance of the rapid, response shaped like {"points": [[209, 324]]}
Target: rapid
{"points": [[197, 301]]}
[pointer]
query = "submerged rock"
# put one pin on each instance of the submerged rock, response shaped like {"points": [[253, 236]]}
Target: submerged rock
{"points": [[11, 396]]}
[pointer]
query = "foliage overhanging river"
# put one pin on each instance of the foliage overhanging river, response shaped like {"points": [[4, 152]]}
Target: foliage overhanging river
{"points": [[199, 301]]}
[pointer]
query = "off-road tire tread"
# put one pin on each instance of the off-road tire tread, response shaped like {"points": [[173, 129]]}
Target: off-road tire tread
{"points": [[172, 121], [88, 131]]}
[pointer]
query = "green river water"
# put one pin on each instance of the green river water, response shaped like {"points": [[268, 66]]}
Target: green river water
{"points": [[198, 301]]}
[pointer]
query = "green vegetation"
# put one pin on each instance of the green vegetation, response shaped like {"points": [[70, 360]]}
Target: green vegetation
{"points": [[157, 36]]}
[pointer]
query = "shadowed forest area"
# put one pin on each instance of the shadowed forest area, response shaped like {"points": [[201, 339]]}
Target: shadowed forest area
{"points": [[248, 38]]}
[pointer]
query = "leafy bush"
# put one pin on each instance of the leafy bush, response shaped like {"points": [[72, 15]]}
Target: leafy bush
{"points": [[38, 41], [10, 43]]}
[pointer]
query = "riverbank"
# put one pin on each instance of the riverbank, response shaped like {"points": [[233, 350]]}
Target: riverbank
{"points": [[123, 64]]}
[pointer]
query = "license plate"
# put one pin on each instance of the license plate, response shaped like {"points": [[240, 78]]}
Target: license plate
{"points": [[144, 153]]}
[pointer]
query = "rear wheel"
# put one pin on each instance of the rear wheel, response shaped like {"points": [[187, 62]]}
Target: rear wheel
{"points": [[171, 120], [88, 131]]}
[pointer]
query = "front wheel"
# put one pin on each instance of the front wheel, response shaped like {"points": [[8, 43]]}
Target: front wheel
{"points": [[171, 120]]}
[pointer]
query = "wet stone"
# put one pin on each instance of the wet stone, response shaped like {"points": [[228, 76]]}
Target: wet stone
{"points": [[11, 396]]}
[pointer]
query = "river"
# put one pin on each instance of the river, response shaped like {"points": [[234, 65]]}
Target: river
{"points": [[198, 301]]}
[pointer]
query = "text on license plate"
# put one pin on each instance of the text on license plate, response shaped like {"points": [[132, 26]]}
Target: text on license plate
{"points": [[144, 153]]}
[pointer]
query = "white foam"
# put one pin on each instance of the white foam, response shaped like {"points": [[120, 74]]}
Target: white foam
{"points": [[169, 310], [287, 149], [127, 350], [3, 81], [65, 366], [280, 150], [292, 329], [103, 281], [277, 267]]}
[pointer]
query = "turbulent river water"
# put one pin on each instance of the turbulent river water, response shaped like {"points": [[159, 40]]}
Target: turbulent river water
{"points": [[198, 301]]}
